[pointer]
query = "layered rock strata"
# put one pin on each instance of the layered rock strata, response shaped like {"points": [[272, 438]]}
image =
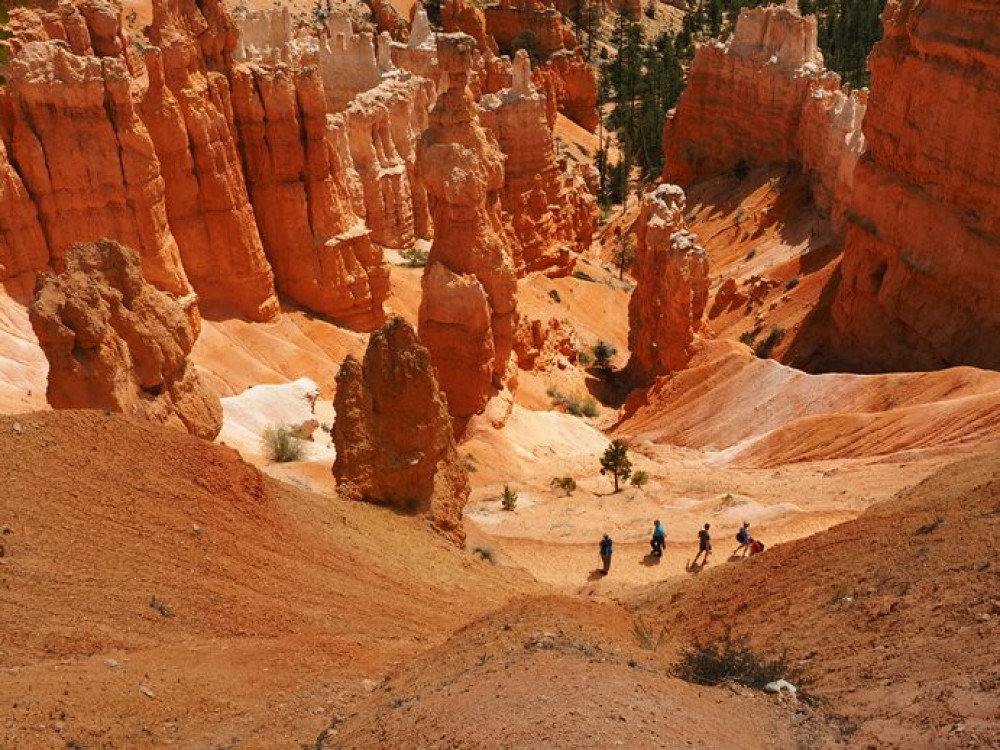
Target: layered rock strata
{"points": [[764, 98], [666, 308], [468, 310], [919, 278], [114, 341], [573, 83], [511, 19], [393, 434], [553, 213]]}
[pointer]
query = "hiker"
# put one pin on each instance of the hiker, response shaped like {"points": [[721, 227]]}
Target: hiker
{"points": [[659, 540], [744, 538], [756, 547], [606, 545], [704, 544]]}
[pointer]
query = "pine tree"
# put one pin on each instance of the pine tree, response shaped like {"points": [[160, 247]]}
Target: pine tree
{"points": [[615, 462]]}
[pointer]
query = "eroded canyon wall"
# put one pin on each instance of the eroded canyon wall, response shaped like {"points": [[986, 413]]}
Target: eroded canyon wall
{"points": [[919, 274], [764, 98]]}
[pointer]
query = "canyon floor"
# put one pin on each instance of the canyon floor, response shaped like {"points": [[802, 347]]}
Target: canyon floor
{"points": [[157, 591]]}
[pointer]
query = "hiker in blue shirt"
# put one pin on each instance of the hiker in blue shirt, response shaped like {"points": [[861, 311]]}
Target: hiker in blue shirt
{"points": [[744, 538], [659, 540]]}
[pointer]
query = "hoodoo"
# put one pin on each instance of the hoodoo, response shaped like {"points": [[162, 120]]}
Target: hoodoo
{"points": [[393, 434], [114, 341]]}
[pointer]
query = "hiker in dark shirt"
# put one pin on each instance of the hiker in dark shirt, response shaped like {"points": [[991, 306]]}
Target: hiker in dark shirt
{"points": [[606, 549], [704, 544], [744, 538]]}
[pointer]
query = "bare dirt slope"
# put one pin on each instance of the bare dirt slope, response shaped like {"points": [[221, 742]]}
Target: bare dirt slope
{"points": [[154, 588], [894, 616], [551, 672]]}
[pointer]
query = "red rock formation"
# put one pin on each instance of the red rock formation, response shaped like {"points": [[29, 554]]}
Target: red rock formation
{"points": [[514, 18], [541, 345], [764, 99], [188, 112], [114, 341], [387, 18], [109, 187], [320, 251], [23, 249], [553, 213], [918, 288], [393, 434], [463, 16], [468, 310], [573, 82], [666, 308]]}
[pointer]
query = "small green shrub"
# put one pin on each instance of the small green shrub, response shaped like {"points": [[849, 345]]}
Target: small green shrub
{"points": [[282, 446], [752, 254], [160, 606], [584, 358], [554, 294], [791, 284], [583, 276], [639, 478], [415, 258], [603, 352], [508, 498], [731, 660], [766, 347], [747, 337], [485, 553], [566, 484], [650, 10], [576, 405]]}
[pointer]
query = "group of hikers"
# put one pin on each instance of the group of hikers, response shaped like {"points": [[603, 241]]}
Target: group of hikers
{"points": [[658, 543]]}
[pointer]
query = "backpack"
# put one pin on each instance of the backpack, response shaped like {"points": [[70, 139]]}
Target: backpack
{"points": [[742, 537]]}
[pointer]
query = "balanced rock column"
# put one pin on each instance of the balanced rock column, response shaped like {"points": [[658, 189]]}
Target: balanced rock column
{"points": [[114, 341], [666, 308], [393, 434], [468, 309]]}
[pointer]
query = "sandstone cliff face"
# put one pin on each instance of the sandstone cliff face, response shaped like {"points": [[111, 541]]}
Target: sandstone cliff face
{"points": [[764, 98], [918, 287], [666, 308], [468, 18], [23, 249], [469, 268], [300, 188], [87, 160], [393, 434], [188, 111], [553, 213], [511, 18], [114, 341], [573, 82]]}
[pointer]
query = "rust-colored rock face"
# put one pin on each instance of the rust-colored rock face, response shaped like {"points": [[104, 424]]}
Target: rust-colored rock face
{"points": [[114, 341], [468, 309], [188, 111], [320, 250], [511, 18], [919, 286], [573, 82], [764, 98], [468, 18], [393, 434], [553, 213], [23, 249], [111, 186], [666, 308]]}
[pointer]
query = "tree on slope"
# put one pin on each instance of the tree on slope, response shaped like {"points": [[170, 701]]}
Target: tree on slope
{"points": [[615, 462]]}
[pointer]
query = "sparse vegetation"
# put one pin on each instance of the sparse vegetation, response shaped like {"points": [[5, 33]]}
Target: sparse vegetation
{"points": [[554, 294], [639, 478], [747, 337], [741, 171], [508, 498], [791, 283], [766, 347], [414, 257], [160, 606], [584, 358], [603, 352], [727, 501], [282, 446], [615, 462], [583, 276], [578, 406], [566, 484], [731, 660], [752, 254], [485, 553]]}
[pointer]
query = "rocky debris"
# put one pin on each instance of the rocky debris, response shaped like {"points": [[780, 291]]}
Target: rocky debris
{"points": [[114, 341], [393, 435], [666, 308], [918, 288], [573, 85], [468, 310], [764, 98], [540, 345], [554, 215]]}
